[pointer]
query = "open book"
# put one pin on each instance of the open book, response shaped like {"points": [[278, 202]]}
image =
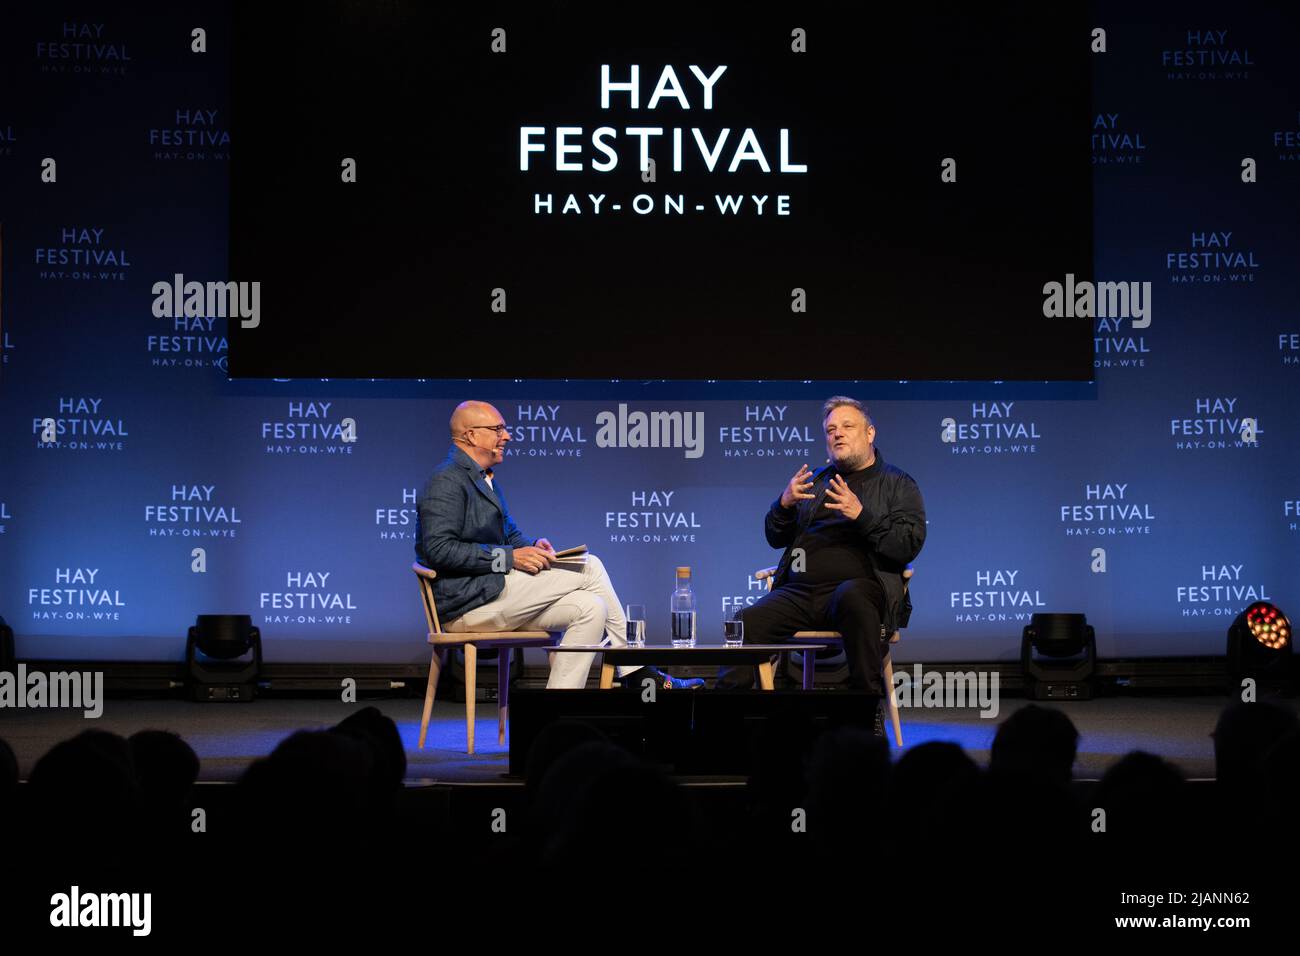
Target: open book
{"points": [[570, 559]]}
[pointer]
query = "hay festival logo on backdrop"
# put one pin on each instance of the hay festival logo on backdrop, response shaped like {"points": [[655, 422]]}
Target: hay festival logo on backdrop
{"points": [[196, 134], [84, 48], [1001, 594], [82, 253], [1107, 508], [1218, 590], [78, 594], [1116, 142], [188, 341], [1207, 55], [642, 142], [653, 516], [993, 428], [397, 522], [311, 428], [191, 510], [767, 431], [540, 430], [83, 423], [1212, 257], [309, 597], [1288, 347], [1217, 422]]}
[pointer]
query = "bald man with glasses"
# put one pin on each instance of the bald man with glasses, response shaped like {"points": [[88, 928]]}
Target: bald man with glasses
{"points": [[491, 577]]}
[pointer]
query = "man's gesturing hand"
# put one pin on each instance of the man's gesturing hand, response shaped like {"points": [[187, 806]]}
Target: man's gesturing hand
{"points": [[797, 489], [532, 559], [840, 497]]}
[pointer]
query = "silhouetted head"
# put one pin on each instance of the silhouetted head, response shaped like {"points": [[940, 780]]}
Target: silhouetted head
{"points": [[1144, 798], [89, 779], [1244, 733], [554, 804], [313, 789], [927, 773], [388, 755], [165, 766], [1035, 743], [551, 743]]}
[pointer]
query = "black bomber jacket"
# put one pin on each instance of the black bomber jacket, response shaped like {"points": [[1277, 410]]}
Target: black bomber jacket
{"points": [[892, 523]]}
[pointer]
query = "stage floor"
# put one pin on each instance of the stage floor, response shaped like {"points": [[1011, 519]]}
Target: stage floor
{"points": [[228, 737]]}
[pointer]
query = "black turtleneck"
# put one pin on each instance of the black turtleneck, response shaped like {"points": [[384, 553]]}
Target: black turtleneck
{"points": [[836, 548]]}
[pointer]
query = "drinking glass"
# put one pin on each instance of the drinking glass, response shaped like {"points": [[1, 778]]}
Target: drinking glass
{"points": [[636, 625], [733, 630]]}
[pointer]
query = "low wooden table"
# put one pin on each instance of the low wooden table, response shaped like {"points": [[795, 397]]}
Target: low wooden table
{"points": [[757, 654]]}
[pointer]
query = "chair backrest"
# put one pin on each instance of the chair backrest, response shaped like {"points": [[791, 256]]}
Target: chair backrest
{"points": [[424, 577]]}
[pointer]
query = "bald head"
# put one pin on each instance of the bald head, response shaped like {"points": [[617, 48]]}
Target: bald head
{"points": [[479, 429], [468, 414]]}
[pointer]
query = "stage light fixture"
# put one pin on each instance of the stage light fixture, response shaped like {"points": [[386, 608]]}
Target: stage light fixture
{"points": [[213, 652], [1066, 645], [1259, 647]]}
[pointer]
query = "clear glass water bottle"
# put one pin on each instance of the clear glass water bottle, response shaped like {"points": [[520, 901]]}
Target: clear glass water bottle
{"points": [[682, 608]]}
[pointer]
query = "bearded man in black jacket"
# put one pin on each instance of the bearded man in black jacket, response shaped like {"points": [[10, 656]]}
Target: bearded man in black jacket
{"points": [[848, 530]]}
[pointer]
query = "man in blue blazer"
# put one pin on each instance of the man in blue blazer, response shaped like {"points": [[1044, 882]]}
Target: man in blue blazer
{"points": [[490, 577]]}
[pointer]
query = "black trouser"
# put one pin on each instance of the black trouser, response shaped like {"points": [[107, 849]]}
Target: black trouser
{"points": [[854, 608]]}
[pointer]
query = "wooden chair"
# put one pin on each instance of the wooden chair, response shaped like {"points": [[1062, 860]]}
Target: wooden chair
{"points": [[836, 638], [443, 641]]}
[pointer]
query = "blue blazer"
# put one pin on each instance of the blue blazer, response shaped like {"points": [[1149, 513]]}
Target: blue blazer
{"points": [[461, 523]]}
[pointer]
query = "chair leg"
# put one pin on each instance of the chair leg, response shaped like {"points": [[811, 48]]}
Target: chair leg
{"points": [[503, 690], [809, 668], [606, 674], [893, 700], [765, 681], [435, 668], [471, 672]]}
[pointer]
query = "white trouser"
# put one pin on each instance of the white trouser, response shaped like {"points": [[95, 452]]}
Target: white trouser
{"points": [[582, 604]]}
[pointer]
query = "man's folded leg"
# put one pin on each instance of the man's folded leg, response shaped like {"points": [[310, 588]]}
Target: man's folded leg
{"points": [[581, 615], [551, 600], [582, 604], [596, 580]]}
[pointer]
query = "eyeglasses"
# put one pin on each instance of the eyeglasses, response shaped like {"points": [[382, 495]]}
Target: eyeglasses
{"points": [[496, 428]]}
